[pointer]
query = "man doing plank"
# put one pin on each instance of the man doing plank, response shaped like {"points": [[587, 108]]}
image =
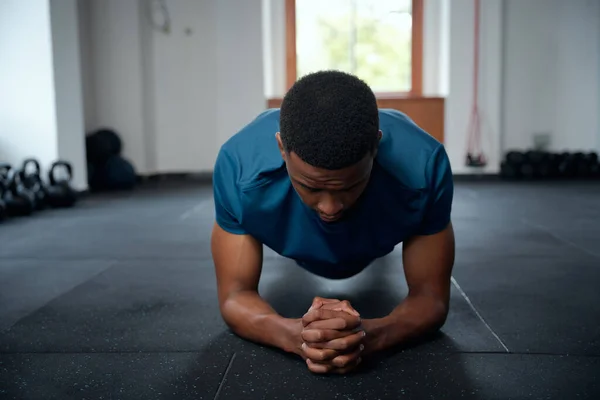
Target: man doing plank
{"points": [[332, 182]]}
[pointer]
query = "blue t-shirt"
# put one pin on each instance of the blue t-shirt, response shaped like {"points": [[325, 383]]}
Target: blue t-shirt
{"points": [[409, 193]]}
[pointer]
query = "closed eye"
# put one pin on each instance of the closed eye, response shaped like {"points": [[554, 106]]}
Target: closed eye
{"points": [[308, 188], [316, 190], [351, 188]]}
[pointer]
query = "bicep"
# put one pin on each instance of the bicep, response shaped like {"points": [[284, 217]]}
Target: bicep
{"points": [[237, 260], [428, 261]]}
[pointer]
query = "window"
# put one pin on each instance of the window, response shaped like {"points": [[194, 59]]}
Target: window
{"points": [[378, 40]]}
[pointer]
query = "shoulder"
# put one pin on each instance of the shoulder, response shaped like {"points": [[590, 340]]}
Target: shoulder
{"points": [[407, 152], [401, 130], [252, 151]]}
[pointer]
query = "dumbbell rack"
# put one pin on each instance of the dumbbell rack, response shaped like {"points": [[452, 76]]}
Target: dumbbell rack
{"points": [[543, 165]]}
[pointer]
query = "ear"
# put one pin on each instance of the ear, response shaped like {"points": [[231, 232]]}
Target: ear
{"points": [[379, 136], [280, 145]]}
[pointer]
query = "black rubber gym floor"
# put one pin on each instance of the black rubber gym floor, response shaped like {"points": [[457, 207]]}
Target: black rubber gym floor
{"points": [[116, 299]]}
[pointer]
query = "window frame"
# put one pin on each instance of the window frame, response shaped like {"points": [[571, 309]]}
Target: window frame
{"points": [[416, 50]]}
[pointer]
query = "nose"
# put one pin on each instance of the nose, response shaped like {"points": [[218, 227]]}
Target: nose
{"points": [[330, 206]]}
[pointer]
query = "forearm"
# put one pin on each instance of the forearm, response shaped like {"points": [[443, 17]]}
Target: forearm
{"points": [[415, 316], [252, 318]]}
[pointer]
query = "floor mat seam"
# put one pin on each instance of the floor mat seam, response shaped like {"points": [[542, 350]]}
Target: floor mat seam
{"points": [[224, 376], [464, 295]]}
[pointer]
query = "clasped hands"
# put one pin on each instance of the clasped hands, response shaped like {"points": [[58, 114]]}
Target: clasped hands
{"points": [[332, 337]]}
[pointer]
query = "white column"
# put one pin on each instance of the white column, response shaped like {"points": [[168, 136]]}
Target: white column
{"points": [[67, 82], [28, 123]]}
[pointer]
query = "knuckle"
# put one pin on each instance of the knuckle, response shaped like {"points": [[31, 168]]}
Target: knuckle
{"points": [[341, 362]]}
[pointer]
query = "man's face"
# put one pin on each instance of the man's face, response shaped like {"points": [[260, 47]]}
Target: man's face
{"points": [[329, 193]]}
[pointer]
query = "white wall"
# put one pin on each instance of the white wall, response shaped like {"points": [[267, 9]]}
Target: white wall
{"points": [[552, 76], [175, 96], [116, 74], [240, 81], [68, 89], [185, 85], [27, 99]]}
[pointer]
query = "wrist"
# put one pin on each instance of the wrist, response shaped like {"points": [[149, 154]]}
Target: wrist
{"points": [[289, 335], [376, 337], [414, 317]]}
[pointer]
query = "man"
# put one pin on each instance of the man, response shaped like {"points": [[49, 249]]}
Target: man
{"points": [[331, 181]]}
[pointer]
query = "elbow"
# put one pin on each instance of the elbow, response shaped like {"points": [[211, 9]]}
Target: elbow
{"points": [[228, 308], [435, 309], [235, 313], [440, 315]]}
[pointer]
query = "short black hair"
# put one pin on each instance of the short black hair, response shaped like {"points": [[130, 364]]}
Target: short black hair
{"points": [[330, 119]]}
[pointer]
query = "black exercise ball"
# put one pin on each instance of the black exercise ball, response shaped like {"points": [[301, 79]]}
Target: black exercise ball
{"points": [[101, 145], [116, 173]]}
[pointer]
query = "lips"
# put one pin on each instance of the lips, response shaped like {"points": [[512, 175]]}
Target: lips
{"points": [[330, 219]]}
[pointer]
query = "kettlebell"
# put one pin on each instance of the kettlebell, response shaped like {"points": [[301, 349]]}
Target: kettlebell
{"points": [[59, 193], [32, 181], [19, 201]]}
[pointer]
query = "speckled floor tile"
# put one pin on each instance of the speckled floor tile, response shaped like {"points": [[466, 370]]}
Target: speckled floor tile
{"points": [[265, 375]]}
